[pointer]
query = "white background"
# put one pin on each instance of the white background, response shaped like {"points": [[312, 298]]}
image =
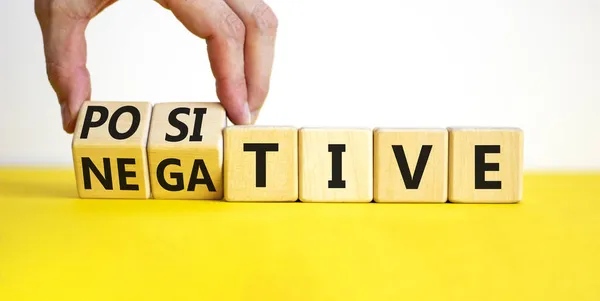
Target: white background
{"points": [[533, 64]]}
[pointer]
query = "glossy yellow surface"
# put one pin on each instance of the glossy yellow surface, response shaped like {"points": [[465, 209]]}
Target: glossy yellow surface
{"points": [[54, 246]]}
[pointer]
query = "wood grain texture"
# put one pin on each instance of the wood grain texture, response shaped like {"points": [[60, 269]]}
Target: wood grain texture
{"points": [[500, 161], [248, 177], [316, 159], [409, 148], [114, 166], [185, 150]]}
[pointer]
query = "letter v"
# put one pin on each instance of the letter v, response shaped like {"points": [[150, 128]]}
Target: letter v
{"points": [[410, 181]]}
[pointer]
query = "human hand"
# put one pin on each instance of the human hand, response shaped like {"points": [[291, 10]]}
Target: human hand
{"points": [[240, 37]]}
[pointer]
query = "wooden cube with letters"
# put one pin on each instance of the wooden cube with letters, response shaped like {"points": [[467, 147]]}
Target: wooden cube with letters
{"points": [[185, 150], [410, 165], [109, 150], [485, 165], [336, 165], [261, 163]]}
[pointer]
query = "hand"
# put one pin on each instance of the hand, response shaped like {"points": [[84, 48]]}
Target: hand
{"points": [[240, 37]]}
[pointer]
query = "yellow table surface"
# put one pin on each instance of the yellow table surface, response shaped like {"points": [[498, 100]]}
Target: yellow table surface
{"points": [[54, 246]]}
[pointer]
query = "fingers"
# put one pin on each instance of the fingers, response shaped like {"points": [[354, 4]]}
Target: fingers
{"points": [[261, 29], [65, 52], [63, 25], [224, 32]]}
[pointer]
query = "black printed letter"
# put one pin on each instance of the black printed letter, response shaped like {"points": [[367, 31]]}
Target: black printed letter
{"points": [[411, 182], [123, 174], [135, 122], [178, 124], [199, 165], [196, 134], [87, 121], [336, 151], [87, 165], [160, 175], [261, 150], [481, 167]]}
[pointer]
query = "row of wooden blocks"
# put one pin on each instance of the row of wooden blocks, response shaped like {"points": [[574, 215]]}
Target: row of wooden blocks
{"points": [[188, 151]]}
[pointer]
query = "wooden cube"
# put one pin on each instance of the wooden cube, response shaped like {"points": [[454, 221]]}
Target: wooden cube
{"points": [[109, 150], [185, 150], [261, 164], [336, 165], [485, 165], [410, 165]]}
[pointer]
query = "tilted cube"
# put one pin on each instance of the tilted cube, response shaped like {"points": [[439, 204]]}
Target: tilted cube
{"points": [[185, 150], [109, 150]]}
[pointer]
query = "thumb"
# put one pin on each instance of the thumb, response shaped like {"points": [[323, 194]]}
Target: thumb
{"points": [[65, 53]]}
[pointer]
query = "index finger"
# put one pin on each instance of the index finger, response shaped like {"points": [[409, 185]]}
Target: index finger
{"points": [[224, 32], [65, 55], [261, 29]]}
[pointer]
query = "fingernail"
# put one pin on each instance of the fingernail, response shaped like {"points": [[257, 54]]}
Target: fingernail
{"points": [[247, 114], [255, 116], [66, 114]]}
